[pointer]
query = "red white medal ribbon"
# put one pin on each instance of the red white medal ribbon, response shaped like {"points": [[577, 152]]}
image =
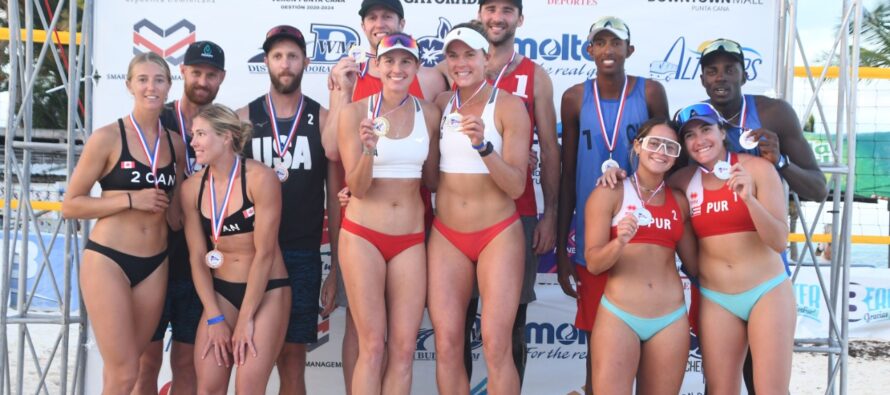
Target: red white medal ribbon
{"points": [[281, 149], [151, 155], [497, 81], [610, 142], [705, 169], [640, 193], [189, 162], [378, 105], [217, 217]]}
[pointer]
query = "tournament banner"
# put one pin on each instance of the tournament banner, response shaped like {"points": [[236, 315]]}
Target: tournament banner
{"points": [[667, 37]]}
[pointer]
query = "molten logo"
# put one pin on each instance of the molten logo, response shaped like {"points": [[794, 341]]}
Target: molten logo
{"points": [[169, 43]]}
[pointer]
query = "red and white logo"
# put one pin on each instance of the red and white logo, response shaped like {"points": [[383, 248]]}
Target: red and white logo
{"points": [[248, 213], [170, 43], [128, 164]]}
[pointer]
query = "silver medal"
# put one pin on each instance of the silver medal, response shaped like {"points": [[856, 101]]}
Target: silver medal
{"points": [[357, 54], [609, 164], [722, 170], [214, 259], [381, 126], [281, 171], [452, 122], [747, 141], [644, 216]]}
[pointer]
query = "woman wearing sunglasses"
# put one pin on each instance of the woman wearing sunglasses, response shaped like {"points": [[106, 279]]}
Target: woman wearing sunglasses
{"points": [[232, 209], [739, 216], [476, 234], [631, 234], [388, 143]]}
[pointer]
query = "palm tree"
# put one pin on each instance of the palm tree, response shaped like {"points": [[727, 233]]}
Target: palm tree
{"points": [[875, 51]]}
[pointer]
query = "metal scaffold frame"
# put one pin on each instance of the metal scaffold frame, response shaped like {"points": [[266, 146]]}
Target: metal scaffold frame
{"points": [[22, 218], [841, 172]]}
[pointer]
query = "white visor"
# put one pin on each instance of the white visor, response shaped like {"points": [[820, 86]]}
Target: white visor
{"points": [[467, 36]]}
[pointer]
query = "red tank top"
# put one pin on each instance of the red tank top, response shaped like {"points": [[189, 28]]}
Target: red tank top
{"points": [[717, 212], [666, 228], [521, 83], [371, 85]]}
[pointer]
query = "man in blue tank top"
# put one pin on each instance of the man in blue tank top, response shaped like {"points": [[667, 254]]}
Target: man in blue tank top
{"points": [[600, 118], [774, 123], [775, 129]]}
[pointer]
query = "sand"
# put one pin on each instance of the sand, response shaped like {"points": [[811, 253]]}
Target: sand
{"points": [[869, 364]]}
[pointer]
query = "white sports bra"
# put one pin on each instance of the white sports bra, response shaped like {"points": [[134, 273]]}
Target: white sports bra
{"points": [[457, 153], [402, 157]]}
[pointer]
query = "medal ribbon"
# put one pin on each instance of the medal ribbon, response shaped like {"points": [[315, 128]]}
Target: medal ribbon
{"points": [[151, 155], [364, 67], [281, 149], [610, 143], [217, 217], [504, 70], [705, 169], [378, 105], [743, 119], [456, 102], [640, 193], [189, 162]]}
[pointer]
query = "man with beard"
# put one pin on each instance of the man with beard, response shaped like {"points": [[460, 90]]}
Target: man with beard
{"points": [[203, 71], [351, 81], [517, 74], [775, 134], [600, 119], [287, 137]]}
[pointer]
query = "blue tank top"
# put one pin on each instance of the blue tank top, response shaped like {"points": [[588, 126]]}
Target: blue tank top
{"points": [[752, 121], [592, 149]]}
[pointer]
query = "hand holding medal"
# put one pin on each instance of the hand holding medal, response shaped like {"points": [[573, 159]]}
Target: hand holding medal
{"points": [[380, 124], [626, 229], [642, 214], [741, 182]]}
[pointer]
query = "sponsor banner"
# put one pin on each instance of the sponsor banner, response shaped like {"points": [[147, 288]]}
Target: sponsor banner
{"points": [[669, 55], [868, 308]]}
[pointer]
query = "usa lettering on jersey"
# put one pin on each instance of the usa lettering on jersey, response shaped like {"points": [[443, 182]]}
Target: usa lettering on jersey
{"points": [[299, 158]]}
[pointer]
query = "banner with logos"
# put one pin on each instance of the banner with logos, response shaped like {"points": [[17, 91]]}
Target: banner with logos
{"points": [[667, 37]]}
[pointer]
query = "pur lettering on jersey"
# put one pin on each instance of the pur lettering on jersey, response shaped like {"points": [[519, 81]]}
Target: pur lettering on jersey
{"points": [[717, 207]]}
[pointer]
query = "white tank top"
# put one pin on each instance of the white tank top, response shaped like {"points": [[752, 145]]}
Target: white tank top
{"points": [[402, 157], [457, 153]]}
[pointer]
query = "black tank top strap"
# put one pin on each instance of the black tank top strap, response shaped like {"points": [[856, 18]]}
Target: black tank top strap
{"points": [[170, 143], [243, 184], [125, 149], [201, 188]]}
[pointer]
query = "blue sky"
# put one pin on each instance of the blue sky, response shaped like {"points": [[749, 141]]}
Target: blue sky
{"points": [[816, 22]]}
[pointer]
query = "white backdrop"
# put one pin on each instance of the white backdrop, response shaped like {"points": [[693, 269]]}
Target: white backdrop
{"points": [[667, 37]]}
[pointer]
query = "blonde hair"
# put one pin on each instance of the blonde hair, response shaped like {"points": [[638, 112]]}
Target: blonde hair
{"points": [[223, 120], [149, 57]]}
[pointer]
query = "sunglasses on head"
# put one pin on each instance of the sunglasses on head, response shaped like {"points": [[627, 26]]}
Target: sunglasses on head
{"points": [[697, 110], [613, 22], [399, 39], [727, 45], [289, 30], [665, 145]]}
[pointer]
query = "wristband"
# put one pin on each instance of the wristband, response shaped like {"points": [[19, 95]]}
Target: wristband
{"points": [[369, 152], [130, 200], [216, 320], [489, 148], [480, 146]]}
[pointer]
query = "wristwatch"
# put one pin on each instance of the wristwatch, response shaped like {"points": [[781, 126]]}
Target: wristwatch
{"points": [[783, 162]]}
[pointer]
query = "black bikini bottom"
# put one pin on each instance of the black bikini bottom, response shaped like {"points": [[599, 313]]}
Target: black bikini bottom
{"points": [[136, 268], [234, 292]]}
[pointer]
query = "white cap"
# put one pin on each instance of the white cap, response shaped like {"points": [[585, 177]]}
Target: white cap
{"points": [[467, 36]]}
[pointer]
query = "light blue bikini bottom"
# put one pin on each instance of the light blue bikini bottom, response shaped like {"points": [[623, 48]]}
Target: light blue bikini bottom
{"points": [[741, 304], [645, 328]]}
